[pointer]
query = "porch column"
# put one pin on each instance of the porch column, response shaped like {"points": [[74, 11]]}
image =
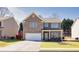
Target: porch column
{"points": [[49, 34], [23, 35], [61, 35], [42, 35]]}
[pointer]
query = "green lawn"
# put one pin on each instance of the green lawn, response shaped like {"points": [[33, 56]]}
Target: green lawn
{"points": [[59, 45], [9, 40], [4, 43]]}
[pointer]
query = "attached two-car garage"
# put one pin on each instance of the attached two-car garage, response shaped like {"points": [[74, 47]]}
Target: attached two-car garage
{"points": [[33, 36]]}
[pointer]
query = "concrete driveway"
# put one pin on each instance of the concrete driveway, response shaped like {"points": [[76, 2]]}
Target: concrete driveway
{"points": [[22, 46]]}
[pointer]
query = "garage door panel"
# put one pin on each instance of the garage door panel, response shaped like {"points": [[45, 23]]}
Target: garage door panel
{"points": [[33, 36]]}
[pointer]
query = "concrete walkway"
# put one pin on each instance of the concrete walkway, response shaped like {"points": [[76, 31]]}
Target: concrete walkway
{"points": [[22, 46]]}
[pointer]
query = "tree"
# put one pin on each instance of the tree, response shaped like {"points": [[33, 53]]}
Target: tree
{"points": [[4, 11], [66, 25], [21, 27], [19, 36]]}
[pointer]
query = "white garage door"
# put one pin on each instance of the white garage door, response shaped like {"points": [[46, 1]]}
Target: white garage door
{"points": [[33, 36]]}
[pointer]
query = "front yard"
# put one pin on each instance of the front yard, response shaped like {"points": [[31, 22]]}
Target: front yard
{"points": [[60, 46], [4, 43], [40, 46]]}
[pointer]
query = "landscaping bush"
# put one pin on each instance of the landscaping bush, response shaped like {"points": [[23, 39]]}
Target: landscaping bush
{"points": [[77, 38], [63, 38], [12, 37], [19, 36]]}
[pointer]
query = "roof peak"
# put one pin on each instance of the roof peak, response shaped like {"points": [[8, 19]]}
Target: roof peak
{"points": [[33, 13]]}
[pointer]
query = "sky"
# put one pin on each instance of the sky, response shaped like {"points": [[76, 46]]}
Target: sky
{"points": [[46, 12]]}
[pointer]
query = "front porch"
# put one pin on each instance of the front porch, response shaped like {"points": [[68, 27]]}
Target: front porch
{"points": [[52, 35]]}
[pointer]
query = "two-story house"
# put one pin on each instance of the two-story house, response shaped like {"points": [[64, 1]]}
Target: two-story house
{"points": [[37, 28], [75, 29], [8, 27]]}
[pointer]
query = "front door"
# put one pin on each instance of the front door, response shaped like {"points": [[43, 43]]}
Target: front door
{"points": [[46, 36]]}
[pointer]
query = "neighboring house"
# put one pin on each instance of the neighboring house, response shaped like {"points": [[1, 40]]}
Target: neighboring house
{"points": [[75, 29], [37, 28], [8, 27]]}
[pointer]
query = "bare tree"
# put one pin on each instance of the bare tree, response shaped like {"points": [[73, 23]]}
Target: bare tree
{"points": [[4, 11]]}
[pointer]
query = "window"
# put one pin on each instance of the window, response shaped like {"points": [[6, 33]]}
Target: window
{"points": [[55, 25], [55, 34], [46, 25], [0, 24], [33, 24], [0, 33]]}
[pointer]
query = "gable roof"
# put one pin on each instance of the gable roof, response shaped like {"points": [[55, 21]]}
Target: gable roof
{"points": [[4, 18], [7, 18], [76, 20], [45, 19], [33, 13]]}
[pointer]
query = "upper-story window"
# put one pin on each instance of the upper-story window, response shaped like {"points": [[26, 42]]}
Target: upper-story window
{"points": [[33, 25], [55, 25], [46, 25]]}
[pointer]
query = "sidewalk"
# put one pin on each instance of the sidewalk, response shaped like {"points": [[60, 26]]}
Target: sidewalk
{"points": [[22, 46]]}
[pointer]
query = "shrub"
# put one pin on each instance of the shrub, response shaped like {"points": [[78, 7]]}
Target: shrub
{"points": [[76, 38], [12, 37]]}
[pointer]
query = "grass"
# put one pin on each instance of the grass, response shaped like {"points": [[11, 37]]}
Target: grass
{"points": [[4, 43], [9, 40], [59, 45]]}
